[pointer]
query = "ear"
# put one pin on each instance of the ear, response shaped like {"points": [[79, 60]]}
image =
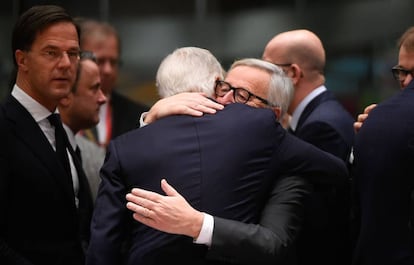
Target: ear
{"points": [[21, 59], [295, 73], [277, 112]]}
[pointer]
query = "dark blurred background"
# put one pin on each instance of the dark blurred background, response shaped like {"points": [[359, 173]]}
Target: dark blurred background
{"points": [[359, 37]]}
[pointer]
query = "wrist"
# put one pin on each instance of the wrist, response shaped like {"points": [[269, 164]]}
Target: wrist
{"points": [[197, 225]]}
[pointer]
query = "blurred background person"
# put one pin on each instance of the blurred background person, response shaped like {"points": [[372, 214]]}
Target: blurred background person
{"points": [[119, 114]]}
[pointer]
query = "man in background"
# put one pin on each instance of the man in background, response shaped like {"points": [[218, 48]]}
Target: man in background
{"points": [[80, 110], [119, 114]]}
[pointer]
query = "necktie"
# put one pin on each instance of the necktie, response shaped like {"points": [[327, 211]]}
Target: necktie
{"points": [[78, 153], [61, 140]]}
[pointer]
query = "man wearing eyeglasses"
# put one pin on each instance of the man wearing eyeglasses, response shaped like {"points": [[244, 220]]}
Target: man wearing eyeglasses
{"points": [[402, 72], [219, 162], [383, 170]]}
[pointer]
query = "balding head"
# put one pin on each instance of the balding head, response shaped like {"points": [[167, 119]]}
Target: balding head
{"points": [[301, 47]]}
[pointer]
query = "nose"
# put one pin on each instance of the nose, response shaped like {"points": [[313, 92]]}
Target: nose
{"points": [[101, 97], [64, 60], [406, 80], [228, 98]]}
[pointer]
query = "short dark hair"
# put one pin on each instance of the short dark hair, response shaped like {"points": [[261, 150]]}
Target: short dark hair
{"points": [[35, 20], [84, 56]]}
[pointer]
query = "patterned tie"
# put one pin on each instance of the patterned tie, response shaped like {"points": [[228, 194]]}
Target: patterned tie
{"points": [[61, 141]]}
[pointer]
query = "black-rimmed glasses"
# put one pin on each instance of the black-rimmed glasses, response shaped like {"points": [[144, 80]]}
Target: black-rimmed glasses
{"points": [[241, 95], [283, 64], [400, 73]]}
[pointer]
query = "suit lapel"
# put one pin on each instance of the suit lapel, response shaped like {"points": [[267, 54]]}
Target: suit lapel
{"points": [[26, 128], [324, 96]]}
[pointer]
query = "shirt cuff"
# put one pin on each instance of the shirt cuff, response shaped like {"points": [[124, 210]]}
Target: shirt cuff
{"points": [[206, 233], [141, 119]]}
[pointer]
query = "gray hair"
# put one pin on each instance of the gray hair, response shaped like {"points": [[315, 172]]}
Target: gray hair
{"points": [[280, 90], [188, 69]]}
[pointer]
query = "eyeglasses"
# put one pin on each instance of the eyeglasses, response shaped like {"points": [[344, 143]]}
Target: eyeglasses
{"points": [[55, 55], [88, 55], [283, 64], [400, 73], [241, 95], [112, 62]]}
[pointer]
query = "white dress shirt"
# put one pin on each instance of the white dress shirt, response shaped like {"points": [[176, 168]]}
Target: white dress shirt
{"points": [[302, 105]]}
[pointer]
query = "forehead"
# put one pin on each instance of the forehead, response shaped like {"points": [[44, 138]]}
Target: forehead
{"points": [[89, 70], [62, 35], [101, 45], [250, 78]]}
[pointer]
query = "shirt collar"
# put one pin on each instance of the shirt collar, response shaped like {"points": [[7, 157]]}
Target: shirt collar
{"points": [[302, 105], [37, 110]]}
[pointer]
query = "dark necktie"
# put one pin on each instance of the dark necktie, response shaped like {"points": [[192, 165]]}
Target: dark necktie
{"points": [[61, 141], [78, 153]]}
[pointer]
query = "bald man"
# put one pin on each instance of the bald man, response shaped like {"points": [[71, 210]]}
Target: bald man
{"points": [[318, 118]]}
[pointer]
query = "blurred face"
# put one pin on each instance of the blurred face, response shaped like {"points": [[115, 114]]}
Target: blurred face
{"points": [[106, 50], [254, 80], [406, 62], [82, 106], [48, 70]]}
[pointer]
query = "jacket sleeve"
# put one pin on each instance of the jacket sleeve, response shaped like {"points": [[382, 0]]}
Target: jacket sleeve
{"points": [[272, 239]]}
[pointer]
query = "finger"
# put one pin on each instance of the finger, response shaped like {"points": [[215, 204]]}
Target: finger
{"points": [[143, 202], [145, 212], [205, 109], [149, 195], [168, 189], [212, 104]]}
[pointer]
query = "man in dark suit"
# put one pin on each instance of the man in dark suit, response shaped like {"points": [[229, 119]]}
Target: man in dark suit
{"points": [[383, 160], [318, 118], [80, 110], [120, 114], [225, 181], [54, 228], [383, 155]]}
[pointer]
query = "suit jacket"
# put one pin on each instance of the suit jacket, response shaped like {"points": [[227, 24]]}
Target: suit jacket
{"points": [[93, 157], [39, 222], [272, 241], [325, 237], [223, 164], [383, 160]]}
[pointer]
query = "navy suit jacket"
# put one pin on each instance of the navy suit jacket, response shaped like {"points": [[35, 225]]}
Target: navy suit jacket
{"points": [[326, 236], [325, 239], [326, 124], [39, 222], [384, 179], [222, 164]]}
